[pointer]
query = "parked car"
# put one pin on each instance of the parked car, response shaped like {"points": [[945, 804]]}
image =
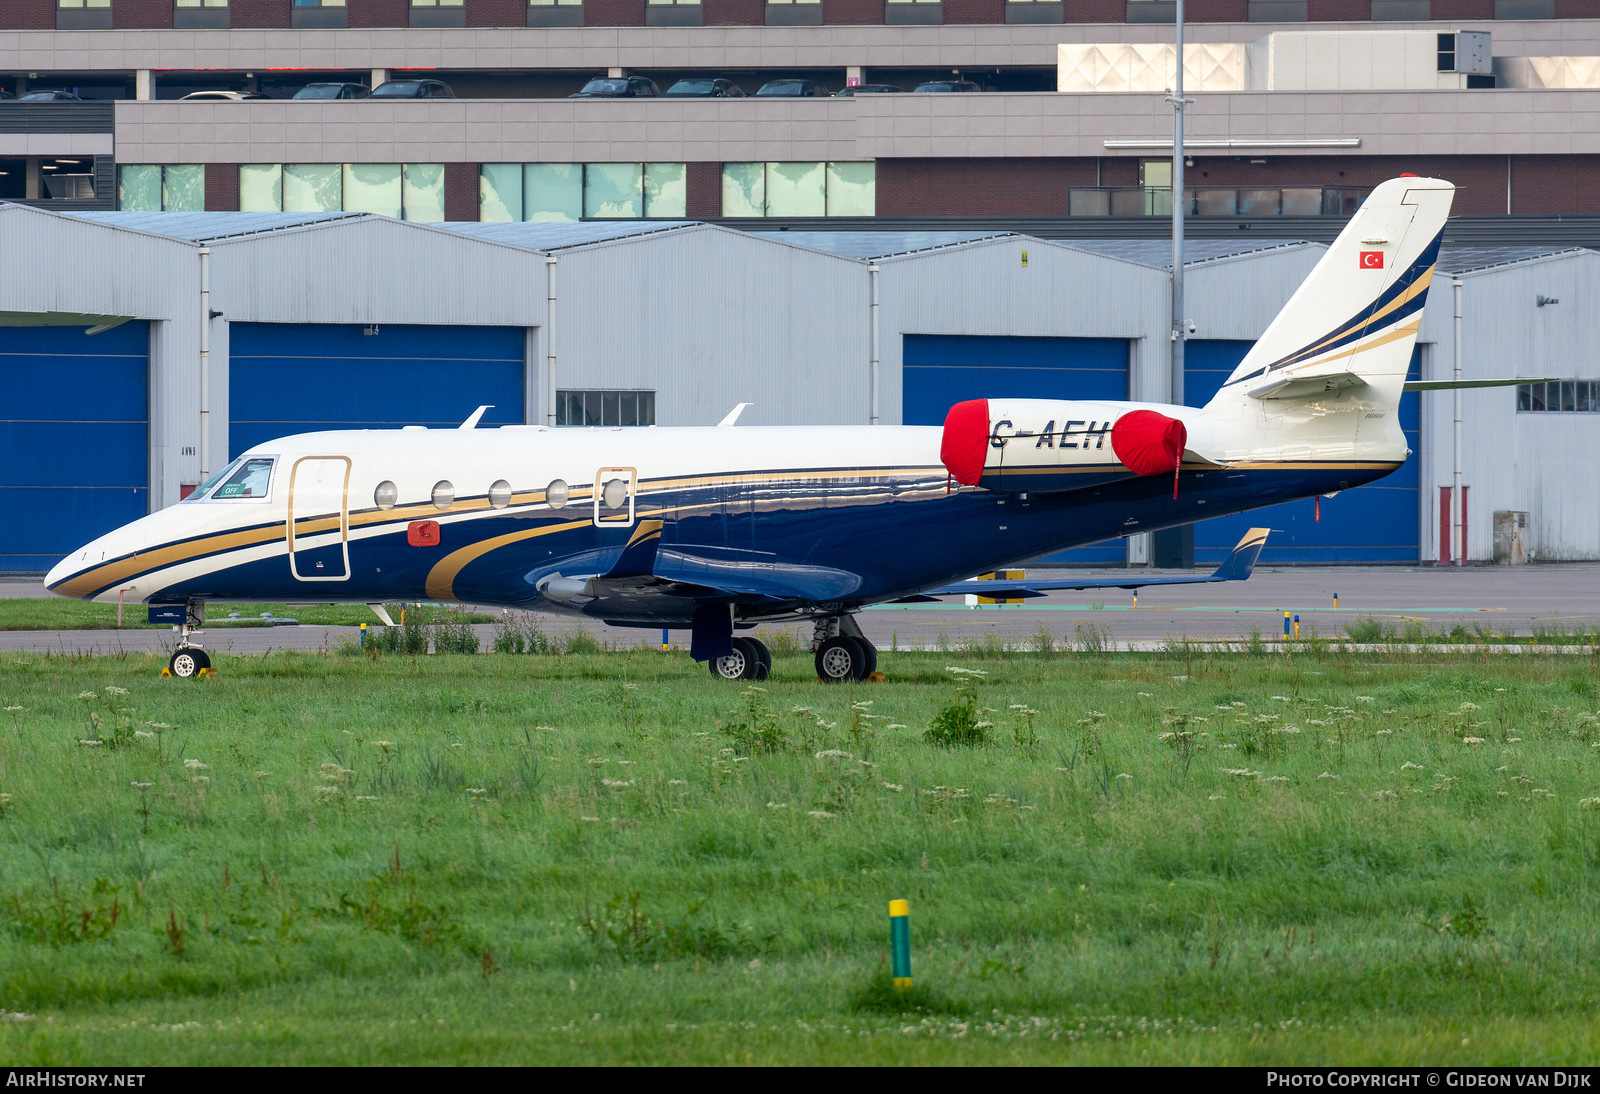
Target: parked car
{"points": [[617, 87], [333, 91], [220, 96], [713, 88], [793, 89], [48, 97], [868, 89], [413, 89], [947, 86]]}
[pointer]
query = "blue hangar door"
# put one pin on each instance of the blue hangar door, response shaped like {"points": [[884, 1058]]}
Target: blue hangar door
{"points": [[288, 378], [74, 438], [940, 370], [1379, 522]]}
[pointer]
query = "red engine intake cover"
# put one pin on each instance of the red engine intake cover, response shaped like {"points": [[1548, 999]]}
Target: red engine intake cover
{"points": [[1148, 443], [965, 445]]}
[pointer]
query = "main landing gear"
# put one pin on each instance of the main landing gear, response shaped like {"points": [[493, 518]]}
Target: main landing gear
{"points": [[189, 660], [750, 660], [842, 651]]}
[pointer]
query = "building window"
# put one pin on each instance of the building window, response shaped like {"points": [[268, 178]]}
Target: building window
{"points": [[902, 12], [317, 13], [799, 189], [573, 191], [438, 13], [555, 13], [83, 14], [405, 191], [200, 14], [161, 188], [1035, 11], [672, 13], [1560, 396], [794, 13], [603, 408]]}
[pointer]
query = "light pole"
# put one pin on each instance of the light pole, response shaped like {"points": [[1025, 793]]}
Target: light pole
{"points": [[1176, 98]]}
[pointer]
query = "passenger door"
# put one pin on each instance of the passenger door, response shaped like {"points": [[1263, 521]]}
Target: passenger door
{"points": [[318, 525]]}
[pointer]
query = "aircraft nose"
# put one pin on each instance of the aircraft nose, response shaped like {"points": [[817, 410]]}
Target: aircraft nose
{"points": [[75, 576]]}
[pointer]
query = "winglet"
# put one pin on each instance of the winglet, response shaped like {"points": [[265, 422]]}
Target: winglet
{"points": [[733, 415], [1239, 564], [472, 421]]}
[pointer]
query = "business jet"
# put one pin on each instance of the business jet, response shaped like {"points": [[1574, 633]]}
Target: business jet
{"points": [[719, 528]]}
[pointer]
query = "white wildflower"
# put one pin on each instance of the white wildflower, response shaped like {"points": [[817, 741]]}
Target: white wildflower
{"points": [[677, 782], [1125, 775], [475, 790], [158, 725], [820, 813], [589, 818], [1469, 706], [196, 765], [88, 695], [777, 805], [834, 754], [142, 786], [1280, 698], [1327, 775], [1472, 740], [894, 725], [616, 782], [16, 708], [896, 787], [1409, 766], [365, 798], [1276, 779], [1364, 698], [1587, 803], [89, 741]]}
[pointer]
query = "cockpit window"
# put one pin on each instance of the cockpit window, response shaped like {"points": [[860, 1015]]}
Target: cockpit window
{"points": [[250, 480]]}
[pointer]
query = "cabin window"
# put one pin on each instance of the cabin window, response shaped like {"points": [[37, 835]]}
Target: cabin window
{"points": [[556, 494], [385, 496], [444, 494], [500, 494], [251, 480]]}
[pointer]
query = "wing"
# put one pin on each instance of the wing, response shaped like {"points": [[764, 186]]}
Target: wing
{"points": [[1236, 567]]}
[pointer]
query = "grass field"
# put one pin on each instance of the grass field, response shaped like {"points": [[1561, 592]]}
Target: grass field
{"points": [[55, 614], [1206, 858]]}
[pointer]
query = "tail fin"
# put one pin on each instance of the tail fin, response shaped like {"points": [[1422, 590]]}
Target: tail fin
{"points": [[1355, 319]]}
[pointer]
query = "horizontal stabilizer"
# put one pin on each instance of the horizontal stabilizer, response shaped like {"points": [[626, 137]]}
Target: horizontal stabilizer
{"points": [[1454, 385], [1236, 567]]}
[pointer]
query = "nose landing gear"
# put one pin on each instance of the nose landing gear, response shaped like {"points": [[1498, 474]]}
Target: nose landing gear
{"points": [[841, 651], [189, 660]]}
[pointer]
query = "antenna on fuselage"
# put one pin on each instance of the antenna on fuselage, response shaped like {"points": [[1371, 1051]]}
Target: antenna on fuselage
{"points": [[472, 422], [732, 416]]}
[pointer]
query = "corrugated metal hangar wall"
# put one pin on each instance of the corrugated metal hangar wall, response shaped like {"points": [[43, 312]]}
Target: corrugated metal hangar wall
{"points": [[352, 320]]}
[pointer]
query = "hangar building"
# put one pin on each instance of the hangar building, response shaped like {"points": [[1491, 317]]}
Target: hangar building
{"points": [[351, 319]]}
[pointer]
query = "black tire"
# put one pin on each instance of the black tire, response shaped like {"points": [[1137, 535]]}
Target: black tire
{"points": [[839, 659], [872, 658], [205, 658], [763, 659], [186, 663], [738, 665]]}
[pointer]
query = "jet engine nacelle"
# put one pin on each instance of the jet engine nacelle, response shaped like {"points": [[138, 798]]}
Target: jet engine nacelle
{"points": [[1055, 445]]}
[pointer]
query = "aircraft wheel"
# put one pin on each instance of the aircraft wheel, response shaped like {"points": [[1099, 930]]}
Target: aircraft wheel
{"points": [[741, 664], [186, 663], [842, 658], [871, 665], [763, 668]]}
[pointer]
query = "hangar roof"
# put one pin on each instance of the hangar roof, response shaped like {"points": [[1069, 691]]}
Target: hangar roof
{"points": [[556, 235], [1158, 252], [870, 245], [1471, 258], [209, 227]]}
